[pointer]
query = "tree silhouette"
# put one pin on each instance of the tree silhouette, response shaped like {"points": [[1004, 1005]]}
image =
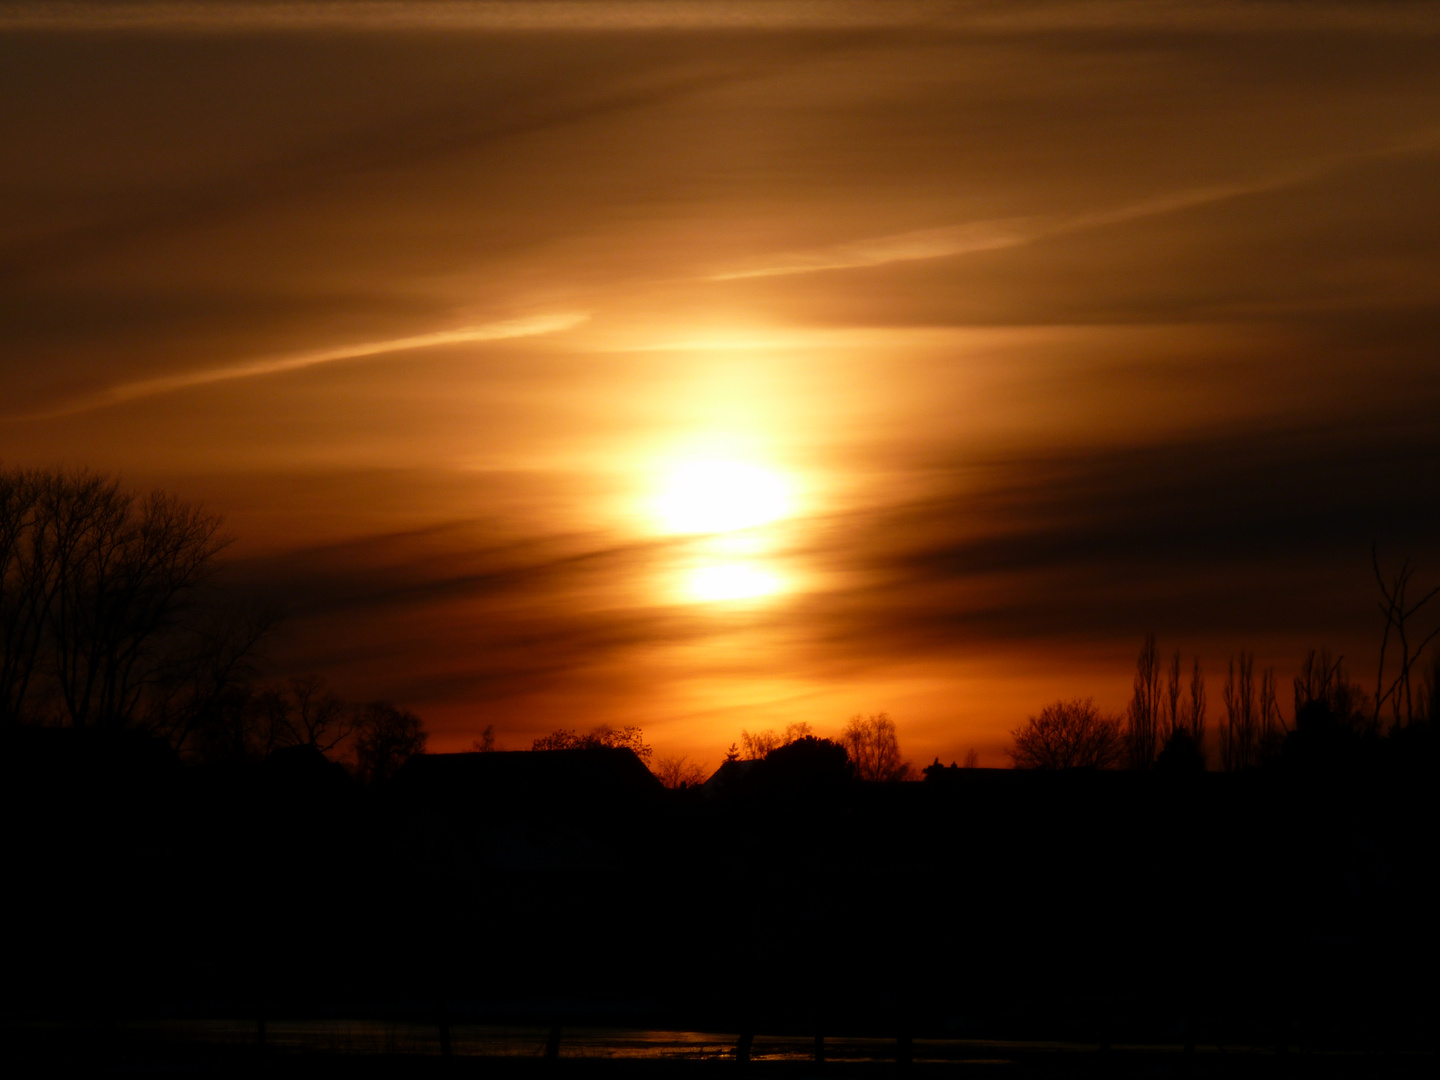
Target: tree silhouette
{"points": [[1143, 718], [26, 587], [874, 748], [629, 738], [100, 591], [1069, 735], [207, 700], [759, 745], [385, 738], [1239, 738], [1171, 712], [679, 772], [1398, 611], [308, 715], [807, 764], [1429, 697], [1196, 707], [1180, 754]]}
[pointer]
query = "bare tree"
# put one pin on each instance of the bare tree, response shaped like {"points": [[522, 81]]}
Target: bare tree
{"points": [[1069, 735], [315, 716], [125, 570], [629, 737], [1144, 714], [212, 683], [874, 748], [486, 743], [755, 747], [972, 759], [1240, 738], [1272, 728], [1172, 699], [385, 738], [26, 587], [99, 590], [1196, 706], [1429, 697], [1398, 610], [679, 772], [1322, 684]]}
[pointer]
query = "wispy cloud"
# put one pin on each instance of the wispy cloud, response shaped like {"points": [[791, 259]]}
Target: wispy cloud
{"points": [[993, 235], [275, 365], [900, 247], [487, 15], [974, 16]]}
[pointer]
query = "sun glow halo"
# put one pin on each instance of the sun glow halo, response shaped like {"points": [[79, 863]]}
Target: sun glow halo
{"points": [[731, 581], [721, 496]]}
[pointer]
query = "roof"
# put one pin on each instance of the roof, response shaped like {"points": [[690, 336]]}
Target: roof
{"points": [[529, 781]]}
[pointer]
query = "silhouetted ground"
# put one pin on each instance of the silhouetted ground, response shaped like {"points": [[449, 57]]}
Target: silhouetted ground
{"points": [[1252, 910], [108, 1051]]}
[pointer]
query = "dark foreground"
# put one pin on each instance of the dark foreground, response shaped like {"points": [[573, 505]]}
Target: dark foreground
{"points": [[38, 1051], [374, 1050], [1283, 923]]}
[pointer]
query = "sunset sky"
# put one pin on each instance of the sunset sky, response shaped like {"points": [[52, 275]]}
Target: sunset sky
{"points": [[710, 366]]}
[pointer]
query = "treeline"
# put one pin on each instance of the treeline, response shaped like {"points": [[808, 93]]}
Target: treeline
{"points": [[1333, 720], [867, 748], [110, 620]]}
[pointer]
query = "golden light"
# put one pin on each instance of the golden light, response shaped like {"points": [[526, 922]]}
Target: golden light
{"points": [[731, 581], [720, 495]]}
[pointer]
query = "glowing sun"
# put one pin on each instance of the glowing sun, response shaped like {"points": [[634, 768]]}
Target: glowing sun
{"points": [[731, 581], [721, 496]]}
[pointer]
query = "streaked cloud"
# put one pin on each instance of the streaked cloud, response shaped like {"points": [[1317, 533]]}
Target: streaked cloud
{"points": [[251, 369], [526, 15], [903, 247], [980, 236]]}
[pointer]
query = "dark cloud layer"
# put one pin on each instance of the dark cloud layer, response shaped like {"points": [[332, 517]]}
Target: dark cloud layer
{"points": [[1245, 537]]}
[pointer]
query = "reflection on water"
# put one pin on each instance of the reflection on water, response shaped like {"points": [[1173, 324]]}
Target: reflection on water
{"points": [[477, 1040]]}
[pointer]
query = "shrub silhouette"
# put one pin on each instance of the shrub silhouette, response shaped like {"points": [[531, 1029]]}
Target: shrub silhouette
{"points": [[1180, 754], [806, 764]]}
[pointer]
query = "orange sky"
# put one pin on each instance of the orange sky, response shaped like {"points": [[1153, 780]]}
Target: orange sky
{"points": [[992, 336]]}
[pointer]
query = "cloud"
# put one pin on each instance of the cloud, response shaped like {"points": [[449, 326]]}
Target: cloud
{"points": [[995, 235], [250, 369], [1244, 535], [900, 247], [1235, 538], [219, 16], [978, 236], [976, 16]]}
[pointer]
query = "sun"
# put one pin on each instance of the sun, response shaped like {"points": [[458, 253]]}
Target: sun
{"points": [[716, 495], [731, 581]]}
